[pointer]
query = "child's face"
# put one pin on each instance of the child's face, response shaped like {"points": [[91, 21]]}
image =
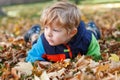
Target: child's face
{"points": [[57, 35]]}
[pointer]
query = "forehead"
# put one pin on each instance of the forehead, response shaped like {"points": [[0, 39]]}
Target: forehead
{"points": [[56, 23]]}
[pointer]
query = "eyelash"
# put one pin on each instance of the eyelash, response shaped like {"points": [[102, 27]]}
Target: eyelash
{"points": [[56, 30]]}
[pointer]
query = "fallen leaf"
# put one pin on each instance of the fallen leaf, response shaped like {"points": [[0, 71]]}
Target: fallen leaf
{"points": [[114, 57], [24, 67], [44, 76]]}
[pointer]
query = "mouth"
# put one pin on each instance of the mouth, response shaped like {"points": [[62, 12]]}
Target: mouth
{"points": [[50, 41]]}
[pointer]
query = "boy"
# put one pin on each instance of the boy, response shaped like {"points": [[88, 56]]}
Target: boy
{"points": [[65, 35]]}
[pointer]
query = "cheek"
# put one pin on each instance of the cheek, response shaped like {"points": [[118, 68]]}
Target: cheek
{"points": [[46, 33], [60, 37]]}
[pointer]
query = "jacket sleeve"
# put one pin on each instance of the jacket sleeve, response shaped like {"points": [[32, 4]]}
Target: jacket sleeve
{"points": [[36, 52], [94, 49]]}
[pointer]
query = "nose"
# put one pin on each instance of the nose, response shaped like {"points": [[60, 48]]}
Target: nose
{"points": [[49, 35]]}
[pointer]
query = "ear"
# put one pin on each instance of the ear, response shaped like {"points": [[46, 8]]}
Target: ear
{"points": [[73, 32]]}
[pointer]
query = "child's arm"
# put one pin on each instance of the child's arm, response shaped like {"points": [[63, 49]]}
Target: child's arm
{"points": [[94, 49], [36, 52]]}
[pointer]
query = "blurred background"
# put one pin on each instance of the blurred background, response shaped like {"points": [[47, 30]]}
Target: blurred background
{"points": [[17, 16]]}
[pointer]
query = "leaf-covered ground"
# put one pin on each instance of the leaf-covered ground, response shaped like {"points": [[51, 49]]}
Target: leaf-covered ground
{"points": [[13, 51]]}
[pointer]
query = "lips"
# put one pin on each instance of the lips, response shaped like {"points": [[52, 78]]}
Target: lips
{"points": [[50, 41]]}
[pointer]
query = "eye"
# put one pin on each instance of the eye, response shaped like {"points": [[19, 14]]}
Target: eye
{"points": [[45, 27], [56, 30]]}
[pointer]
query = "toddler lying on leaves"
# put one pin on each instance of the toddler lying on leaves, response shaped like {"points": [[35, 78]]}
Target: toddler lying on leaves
{"points": [[65, 35]]}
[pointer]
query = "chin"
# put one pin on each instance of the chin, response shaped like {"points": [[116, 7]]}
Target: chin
{"points": [[52, 44]]}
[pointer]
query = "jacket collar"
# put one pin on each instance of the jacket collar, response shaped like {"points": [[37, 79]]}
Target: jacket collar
{"points": [[81, 31]]}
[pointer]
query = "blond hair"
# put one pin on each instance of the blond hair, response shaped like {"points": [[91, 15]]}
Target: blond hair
{"points": [[62, 13]]}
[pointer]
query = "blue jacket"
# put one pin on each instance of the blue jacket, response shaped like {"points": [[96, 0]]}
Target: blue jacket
{"points": [[78, 44]]}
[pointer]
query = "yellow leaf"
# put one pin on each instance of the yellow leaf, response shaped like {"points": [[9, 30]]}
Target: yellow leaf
{"points": [[114, 57]]}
